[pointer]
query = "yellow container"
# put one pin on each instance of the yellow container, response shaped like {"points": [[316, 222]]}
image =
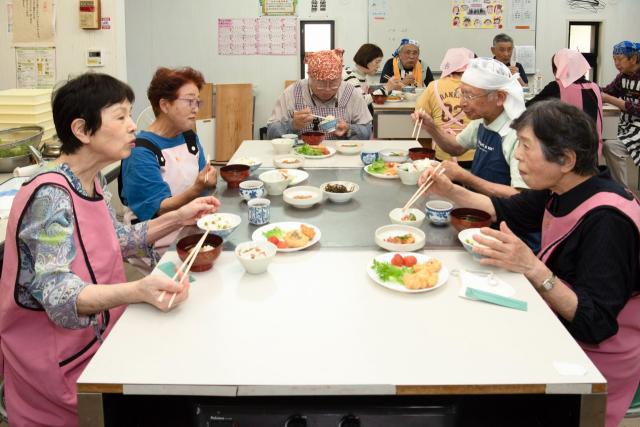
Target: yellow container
{"points": [[25, 96]]}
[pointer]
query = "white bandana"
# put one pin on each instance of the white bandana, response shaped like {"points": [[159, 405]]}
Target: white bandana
{"points": [[489, 74]]}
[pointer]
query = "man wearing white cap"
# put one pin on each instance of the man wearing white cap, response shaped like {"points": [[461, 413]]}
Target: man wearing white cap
{"points": [[492, 98]]}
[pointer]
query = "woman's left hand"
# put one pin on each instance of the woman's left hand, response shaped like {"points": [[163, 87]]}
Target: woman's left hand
{"points": [[508, 252], [189, 213], [342, 128]]}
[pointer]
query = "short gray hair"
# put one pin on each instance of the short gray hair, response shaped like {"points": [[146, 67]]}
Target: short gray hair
{"points": [[502, 38]]}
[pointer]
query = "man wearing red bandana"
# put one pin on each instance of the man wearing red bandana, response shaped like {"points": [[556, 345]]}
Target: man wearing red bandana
{"points": [[323, 94]]}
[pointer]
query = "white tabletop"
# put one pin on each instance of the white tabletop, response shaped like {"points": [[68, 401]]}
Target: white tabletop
{"points": [[316, 324], [264, 151]]}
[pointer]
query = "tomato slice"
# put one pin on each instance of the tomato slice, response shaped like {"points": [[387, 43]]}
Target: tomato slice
{"points": [[397, 260], [410, 261], [274, 240]]}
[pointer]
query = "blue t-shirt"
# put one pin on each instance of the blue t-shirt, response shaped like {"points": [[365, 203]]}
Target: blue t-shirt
{"points": [[143, 188]]}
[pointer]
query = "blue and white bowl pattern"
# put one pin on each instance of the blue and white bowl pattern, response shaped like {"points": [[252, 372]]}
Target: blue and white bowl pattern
{"points": [[252, 190], [259, 211], [368, 157], [328, 125], [438, 211]]}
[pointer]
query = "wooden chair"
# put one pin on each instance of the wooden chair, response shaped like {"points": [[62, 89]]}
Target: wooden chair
{"points": [[234, 118]]}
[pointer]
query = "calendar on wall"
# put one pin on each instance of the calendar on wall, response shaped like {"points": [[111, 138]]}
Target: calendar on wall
{"points": [[258, 36]]}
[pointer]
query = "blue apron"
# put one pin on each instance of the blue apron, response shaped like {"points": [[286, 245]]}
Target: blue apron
{"points": [[489, 162]]}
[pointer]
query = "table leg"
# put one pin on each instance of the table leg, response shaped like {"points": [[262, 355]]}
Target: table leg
{"points": [[90, 410], [592, 409]]}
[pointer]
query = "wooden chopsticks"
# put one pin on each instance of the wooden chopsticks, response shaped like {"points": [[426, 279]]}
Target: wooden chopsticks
{"points": [[417, 126], [439, 170], [208, 164], [388, 77], [188, 262]]}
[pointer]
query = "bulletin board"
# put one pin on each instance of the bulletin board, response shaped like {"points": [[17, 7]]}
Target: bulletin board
{"points": [[429, 22]]}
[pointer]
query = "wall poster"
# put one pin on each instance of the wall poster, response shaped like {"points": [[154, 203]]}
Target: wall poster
{"points": [[477, 14]]}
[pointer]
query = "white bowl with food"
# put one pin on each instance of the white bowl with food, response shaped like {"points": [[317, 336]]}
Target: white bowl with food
{"points": [[408, 173], [398, 238], [253, 162], [274, 181], [423, 164], [412, 217], [282, 145], [396, 155], [288, 161], [255, 257], [302, 196], [349, 147], [220, 224], [339, 191], [466, 237]]}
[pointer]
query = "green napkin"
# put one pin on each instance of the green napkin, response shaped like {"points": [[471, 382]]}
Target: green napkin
{"points": [[169, 268], [496, 299]]}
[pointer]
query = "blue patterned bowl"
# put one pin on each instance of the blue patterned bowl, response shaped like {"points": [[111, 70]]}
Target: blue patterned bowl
{"points": [[439, 211]]}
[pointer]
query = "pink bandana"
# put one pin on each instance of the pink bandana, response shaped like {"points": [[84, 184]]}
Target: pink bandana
{"points": [[325, 64], [455, 60], [570, 66]]}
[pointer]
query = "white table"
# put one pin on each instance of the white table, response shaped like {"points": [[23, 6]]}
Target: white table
{"points": [[284, 333], [264, 151]]}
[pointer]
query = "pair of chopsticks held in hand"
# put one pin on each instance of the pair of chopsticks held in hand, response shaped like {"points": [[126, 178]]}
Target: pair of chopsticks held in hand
{"points": [[185, 267], [439, 170]]}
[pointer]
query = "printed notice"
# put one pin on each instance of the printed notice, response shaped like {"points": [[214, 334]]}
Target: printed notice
{"points": [[33, 21], [35, 67], [378, 9], [526, 55], [258, 36], [278, 7], [523, 14]]}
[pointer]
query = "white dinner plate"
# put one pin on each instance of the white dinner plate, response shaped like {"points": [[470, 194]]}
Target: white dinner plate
{"points": [[332, 151], [443, 274], [258, 235], [297, 174], [380, 175]]}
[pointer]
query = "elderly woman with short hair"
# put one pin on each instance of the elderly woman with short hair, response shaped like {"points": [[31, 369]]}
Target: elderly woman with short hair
{"points": [[588, 270], [63, 285]]}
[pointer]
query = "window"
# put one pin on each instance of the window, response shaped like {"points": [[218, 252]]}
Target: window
{"points": [[314, 36], [583, 37]]}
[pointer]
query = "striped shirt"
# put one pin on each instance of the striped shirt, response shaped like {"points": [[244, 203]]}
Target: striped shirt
{"points": [[357, 79]]}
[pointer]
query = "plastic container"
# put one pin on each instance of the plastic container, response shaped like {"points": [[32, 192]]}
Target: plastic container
{"points": [[25, 96]]}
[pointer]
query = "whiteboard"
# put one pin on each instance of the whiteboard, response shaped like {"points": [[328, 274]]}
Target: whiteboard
{"points": [[429, 22]]}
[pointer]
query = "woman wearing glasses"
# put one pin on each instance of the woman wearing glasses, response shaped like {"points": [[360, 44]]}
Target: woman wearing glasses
{"points": [[167, 168]]}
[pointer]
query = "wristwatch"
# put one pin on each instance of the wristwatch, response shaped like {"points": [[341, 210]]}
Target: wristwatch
{"points": [[547, 284]]}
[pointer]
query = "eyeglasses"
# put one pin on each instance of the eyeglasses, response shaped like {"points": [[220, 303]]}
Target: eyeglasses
{"points": [[320, 85], [411, 52], [467, 97], [192, 102]]}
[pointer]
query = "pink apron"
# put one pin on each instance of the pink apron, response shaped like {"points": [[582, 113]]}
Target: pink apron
{"points": [[573, 95], [617, 357], [339, 110], [180, 171], [42, 361]]}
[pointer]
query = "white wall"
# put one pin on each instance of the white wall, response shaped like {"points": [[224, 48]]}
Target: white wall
{"points": [[154, 39], [71, 42], [619, 22]]}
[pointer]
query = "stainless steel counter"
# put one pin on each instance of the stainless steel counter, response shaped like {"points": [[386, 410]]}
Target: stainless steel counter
{"points": [[351, 224]]}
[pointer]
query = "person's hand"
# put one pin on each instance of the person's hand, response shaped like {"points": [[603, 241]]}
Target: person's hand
{"points": [[409, 80], [342, 128], [302, 118], [441, 185], [150, 288], [393, 84], [206, 178], [189, 213], [427, 121], [454, 171], [513, 69], [507, 251]]}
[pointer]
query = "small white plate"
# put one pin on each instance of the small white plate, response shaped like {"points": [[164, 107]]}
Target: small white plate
{"points": [[297, 175], [332, 151], [302, 197], [443, 274], [380, 175], [253, 162], [393, 100], [258, 235], [387, 231]]}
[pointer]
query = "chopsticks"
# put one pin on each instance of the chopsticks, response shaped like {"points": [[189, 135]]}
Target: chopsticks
{"points": [[208, 164], [188, 262], [388, 77], [417, 126], [439, 170]]}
